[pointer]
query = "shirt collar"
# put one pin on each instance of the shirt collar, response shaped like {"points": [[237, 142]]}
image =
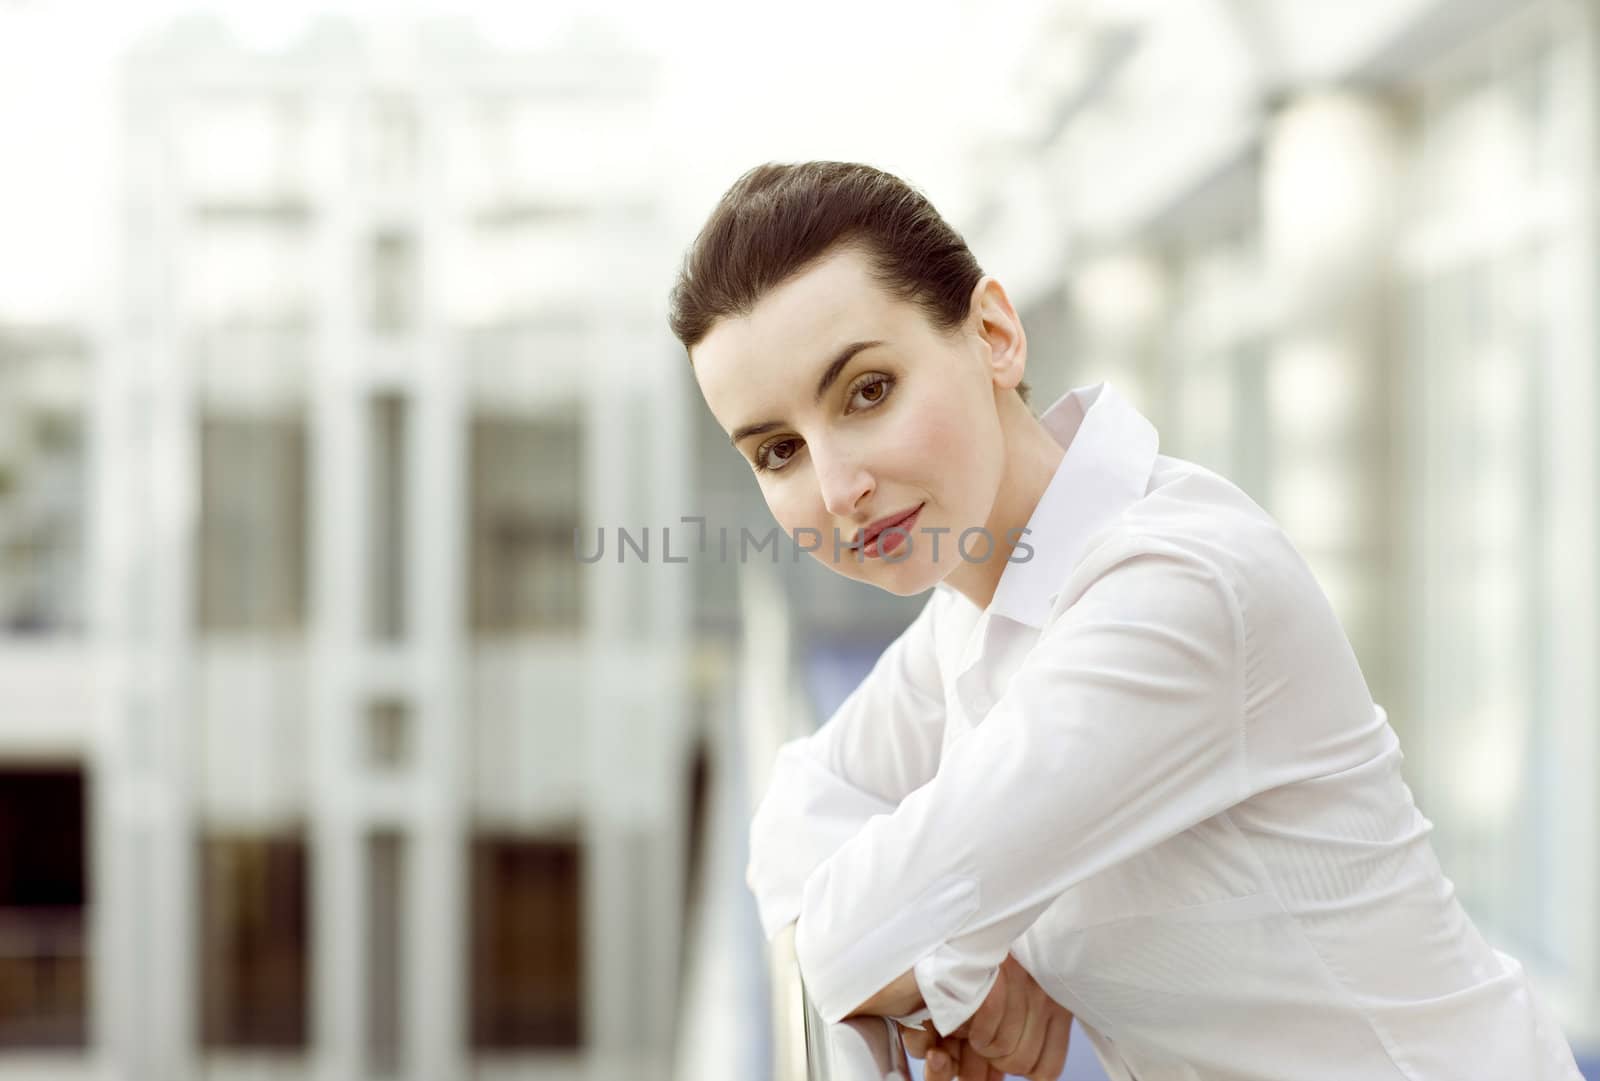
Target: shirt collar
{"points": [[1110, 452]]}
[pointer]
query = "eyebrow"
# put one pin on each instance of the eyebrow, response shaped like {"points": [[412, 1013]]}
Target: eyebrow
{"points": [[829, 375]]}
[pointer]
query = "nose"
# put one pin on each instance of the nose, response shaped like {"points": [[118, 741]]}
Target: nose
{"points": [[846, 485]]}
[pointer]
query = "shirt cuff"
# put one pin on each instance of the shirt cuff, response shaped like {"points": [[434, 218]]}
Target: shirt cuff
{"points": [[776, 909], [914, 1020], [952, 988]]}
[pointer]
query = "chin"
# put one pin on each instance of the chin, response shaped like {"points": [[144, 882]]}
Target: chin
{"points": [[905, 589], [906, 579]]}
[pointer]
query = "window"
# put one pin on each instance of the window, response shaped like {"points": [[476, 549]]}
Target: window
{"points": [[391, 144], [387, 518], [250, 269], [1220, 412], [243, 149], [386, 966], [389, 734], [394, 282], [1493, 251], [525, 503], [253, 523], [527, 944], [254, 934], [43, 486], [44, 969]]}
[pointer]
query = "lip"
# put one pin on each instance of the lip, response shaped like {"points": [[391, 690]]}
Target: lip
{"points": [[867, 539]]}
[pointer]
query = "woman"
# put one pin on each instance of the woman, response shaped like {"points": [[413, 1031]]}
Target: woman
{"points": [[1123, 765]]}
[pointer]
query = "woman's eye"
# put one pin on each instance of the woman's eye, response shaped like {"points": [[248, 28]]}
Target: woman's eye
{"points": [[872, 390], [867, 394], [774, 456]]}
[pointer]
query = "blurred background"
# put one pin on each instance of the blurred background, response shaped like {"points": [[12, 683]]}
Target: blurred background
{"points": [[323, 326]]}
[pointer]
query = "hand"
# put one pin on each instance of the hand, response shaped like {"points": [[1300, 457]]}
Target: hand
{"points": [[948, 1057], [1017, 1029]]}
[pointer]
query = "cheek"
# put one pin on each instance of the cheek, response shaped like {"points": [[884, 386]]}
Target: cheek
{"points": [[791, 507], [932, 434], [934, 441], [801, 508]]}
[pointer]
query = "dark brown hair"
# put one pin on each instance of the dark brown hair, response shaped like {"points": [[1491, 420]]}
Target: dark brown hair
{"points": [[780, 219]]}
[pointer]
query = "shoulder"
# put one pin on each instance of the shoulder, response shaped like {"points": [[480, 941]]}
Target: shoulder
{"points": [[1188, 549], [1198, 557]]}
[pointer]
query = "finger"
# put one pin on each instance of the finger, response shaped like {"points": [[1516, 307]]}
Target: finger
{"points": [[1031, 1042], [985, 1021], [1009, 1034], [996, 1073], [973, 1064], [916, 1041], [948, 1051], [1053, 1057], [1002, 1013]]}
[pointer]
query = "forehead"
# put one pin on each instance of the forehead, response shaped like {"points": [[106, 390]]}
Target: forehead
{"points": [[776, 352]]}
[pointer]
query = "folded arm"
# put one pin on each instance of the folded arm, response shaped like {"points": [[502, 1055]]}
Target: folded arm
{"points": [[1122, 729], [900, 998], [880, 744]]}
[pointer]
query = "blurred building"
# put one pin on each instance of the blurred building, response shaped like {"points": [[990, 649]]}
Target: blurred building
{"points": [[317, 758], [45, 705]]}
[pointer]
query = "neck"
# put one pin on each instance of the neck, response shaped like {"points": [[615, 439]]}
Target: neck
{"points": [[1032, 457]]}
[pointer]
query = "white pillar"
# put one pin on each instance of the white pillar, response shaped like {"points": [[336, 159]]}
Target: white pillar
{"points": [[636, 627], [436, 940], [143, 900], [1330, 185], [338, 857]]}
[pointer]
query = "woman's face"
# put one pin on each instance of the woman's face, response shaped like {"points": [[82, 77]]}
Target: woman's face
{"points": [[906, 425]]}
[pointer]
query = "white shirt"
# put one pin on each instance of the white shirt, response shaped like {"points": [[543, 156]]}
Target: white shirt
{"points": [[1153, 771]]}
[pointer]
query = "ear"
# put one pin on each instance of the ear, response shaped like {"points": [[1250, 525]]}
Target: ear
{"points": [[996, 324]]}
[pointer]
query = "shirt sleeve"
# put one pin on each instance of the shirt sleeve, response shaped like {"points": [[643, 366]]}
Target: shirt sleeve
{"points": [[879, 746], [1123, 727]]}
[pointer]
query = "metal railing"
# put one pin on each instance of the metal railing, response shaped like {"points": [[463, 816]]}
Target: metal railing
{"points": [[805, 1047]]}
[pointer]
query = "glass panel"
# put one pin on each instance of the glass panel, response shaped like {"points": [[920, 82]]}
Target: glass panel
{"points": [[527, 943], [389, 733], [1489, 324], [386, 969], [244, 149], [525, 501], [394, 282], [386, 584], [249, 268], [1221, 413], [392, 142], [254, 936], [253, 524], [43, 484], [44, 963]]}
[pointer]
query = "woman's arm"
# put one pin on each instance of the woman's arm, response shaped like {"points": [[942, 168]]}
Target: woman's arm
{"points": [[880, 745], [1123, 728], [901, 998]]}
